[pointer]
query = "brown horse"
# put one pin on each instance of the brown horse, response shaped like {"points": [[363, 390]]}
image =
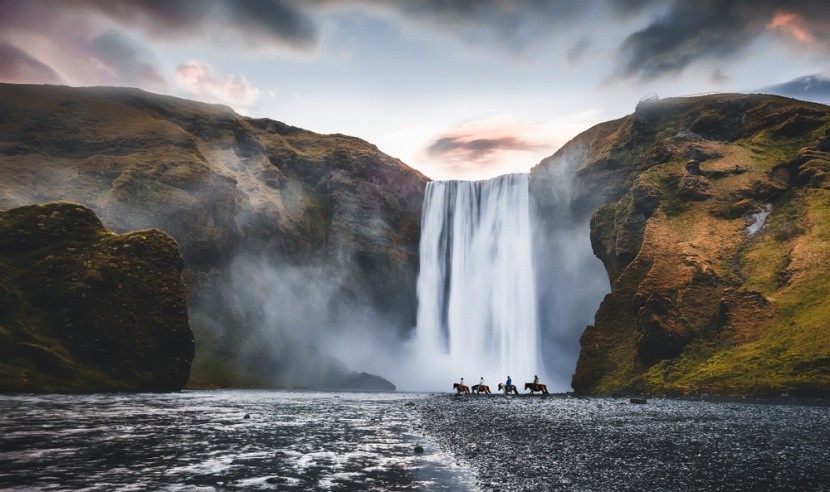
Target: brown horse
{"points": [[510, 389], [481, 388], [461, 388], [537, 387]]}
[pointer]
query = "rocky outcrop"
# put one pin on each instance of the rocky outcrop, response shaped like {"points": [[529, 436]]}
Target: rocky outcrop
{"points": [[270, 218], [83, 309], [697, 304]]}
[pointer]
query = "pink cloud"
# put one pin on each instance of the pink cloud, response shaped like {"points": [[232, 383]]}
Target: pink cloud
{"points": [[200, 80], [488, 147], [19, 67], [793, 25]]}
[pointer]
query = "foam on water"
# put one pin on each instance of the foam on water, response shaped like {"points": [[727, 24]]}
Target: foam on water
{"points": [[292, 441]]}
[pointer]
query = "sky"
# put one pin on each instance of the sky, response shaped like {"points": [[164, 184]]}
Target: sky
{"points": [[456, 89]]}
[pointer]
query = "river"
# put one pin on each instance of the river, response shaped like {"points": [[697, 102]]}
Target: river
{"points": [[202, 440]]}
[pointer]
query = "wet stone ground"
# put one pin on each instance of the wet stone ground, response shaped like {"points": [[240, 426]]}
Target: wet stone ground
{"points": [[562, 443]]}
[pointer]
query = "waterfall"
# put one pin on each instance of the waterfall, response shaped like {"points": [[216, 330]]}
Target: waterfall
{"points": [[476, 287]]}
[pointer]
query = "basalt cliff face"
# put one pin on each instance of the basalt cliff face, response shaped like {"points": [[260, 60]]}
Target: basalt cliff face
{"points": [[83, 309], [703, 300], [286, 235]]}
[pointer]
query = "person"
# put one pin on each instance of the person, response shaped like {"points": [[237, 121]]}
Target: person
{"points": [[535, 380], [462, 382], [507, 386], [480, 384]]}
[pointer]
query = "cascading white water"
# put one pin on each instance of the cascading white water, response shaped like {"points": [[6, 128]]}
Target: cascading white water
{"points": [[476, 287]]}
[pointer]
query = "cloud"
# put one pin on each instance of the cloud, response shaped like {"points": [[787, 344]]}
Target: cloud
{"points": [[793, 25], [19, 67], [252, 22], [471, 148], [200, 80], [690, 31], [687, 33], [578, 50], [815, 87], [514, 27], [505, 143], [718, 76], [132, 64]]}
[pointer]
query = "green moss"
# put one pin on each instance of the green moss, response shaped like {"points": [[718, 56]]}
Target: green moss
{"points": [[771, 334], [671, 203], [95, 311]]}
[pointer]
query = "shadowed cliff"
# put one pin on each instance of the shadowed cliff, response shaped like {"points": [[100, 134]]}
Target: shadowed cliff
{"points": [[703, 299], [287, 235], [83, 309]]}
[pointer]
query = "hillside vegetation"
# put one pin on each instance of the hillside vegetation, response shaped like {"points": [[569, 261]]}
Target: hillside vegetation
{"points": [[256, 205], [701, 303], [83, 309]]}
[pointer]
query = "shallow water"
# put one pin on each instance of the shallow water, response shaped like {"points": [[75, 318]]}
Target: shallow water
{"points": [[200, 439]]}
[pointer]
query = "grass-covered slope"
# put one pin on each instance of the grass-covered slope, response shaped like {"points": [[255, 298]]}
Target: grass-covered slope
{"points": [[83, 309], [699, 303], [331, 212]]}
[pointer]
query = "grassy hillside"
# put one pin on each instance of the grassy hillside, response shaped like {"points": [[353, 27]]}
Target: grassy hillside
{"points": [[698, 303], [328, 211]]}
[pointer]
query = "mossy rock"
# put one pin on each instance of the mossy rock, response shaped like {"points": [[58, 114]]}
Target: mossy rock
{"points": [[88, 310]]}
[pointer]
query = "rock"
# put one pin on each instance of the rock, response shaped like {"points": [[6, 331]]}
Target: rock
{"points": [[638, 401], [94, 311], [231, 190], [693, 186], [419, 449], [693, 167], [686, 311], [247, 416], [365, 381]]}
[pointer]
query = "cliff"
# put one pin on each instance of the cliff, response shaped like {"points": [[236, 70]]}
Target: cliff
{"points": [[83, 309], [701, 301], [277, 225]]}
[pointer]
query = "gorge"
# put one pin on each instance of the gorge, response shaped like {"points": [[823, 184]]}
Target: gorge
{"points": [[303, 268]]}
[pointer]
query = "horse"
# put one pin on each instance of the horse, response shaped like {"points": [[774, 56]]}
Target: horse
{"points": [[481, 388], [510, 389], [461, 388], [537, 387]]}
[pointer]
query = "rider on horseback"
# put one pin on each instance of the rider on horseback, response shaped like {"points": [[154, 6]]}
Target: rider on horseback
{"points": [[507, 386]]}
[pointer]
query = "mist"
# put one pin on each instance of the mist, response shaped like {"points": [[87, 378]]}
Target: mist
{"points": [[570, 280]]}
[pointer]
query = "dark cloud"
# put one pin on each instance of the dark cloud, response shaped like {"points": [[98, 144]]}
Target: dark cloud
{"points": [[718, 76], [134, 65], [269, 21], [476, 149], [814, 87], [688, 32], [511, 26], [578, 50], [17, 66], [691, 31]]}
